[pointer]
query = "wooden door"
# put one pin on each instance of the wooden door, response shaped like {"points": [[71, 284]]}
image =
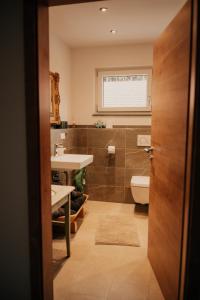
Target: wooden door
{"points": [[170, 105]]}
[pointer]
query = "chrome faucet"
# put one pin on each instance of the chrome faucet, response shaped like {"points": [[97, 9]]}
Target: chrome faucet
{"points": [[55, 146], [54, 149]]}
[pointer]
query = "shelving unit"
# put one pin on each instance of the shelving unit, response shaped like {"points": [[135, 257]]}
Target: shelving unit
{"points": [[73, 218]]}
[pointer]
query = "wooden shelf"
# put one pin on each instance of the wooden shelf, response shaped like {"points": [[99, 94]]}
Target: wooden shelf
{"points": [[73, 218]]}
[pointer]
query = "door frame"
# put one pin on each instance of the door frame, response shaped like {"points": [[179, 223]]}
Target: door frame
{"points": [[189, 284], [36, 51], [36, 59]]}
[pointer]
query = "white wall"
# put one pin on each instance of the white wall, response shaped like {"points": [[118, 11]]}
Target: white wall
{"points": [[84, 63], [60, 62]]}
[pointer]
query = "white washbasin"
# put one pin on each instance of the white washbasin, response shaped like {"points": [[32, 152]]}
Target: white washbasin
{"points": [[71, 161], [53, 193]]}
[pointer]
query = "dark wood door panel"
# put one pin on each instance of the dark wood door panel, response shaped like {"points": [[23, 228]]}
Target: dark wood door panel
{"points": [[170, 96]]}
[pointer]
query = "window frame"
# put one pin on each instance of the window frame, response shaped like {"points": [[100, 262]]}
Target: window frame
{"points": [[100, 73]]}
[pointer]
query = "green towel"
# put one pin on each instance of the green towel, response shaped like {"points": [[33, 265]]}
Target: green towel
{"points": [[79, 178]]}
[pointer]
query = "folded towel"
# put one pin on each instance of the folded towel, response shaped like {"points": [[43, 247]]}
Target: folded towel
{"points": [[76, 203]]}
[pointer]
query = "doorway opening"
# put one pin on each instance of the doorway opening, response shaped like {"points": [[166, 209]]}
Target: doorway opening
{"points": [[95, 270]]}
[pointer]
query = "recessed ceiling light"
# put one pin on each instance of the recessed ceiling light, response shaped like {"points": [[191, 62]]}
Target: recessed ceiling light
{"points": [[103, 9], [113, 31]]}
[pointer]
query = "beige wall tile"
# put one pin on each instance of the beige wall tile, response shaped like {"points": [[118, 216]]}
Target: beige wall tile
{"points": [[105, 176], [102, 158], [136, 159], [76, 137], [106, 193], [128, 195], [77, 150], [108, 170], [101, 138]]}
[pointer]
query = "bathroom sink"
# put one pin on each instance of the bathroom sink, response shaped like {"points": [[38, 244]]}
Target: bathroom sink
{"points": [[71, 161], [53, 193]]}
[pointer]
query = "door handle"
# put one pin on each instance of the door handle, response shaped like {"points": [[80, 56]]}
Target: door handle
{"points": [[148, 150]]}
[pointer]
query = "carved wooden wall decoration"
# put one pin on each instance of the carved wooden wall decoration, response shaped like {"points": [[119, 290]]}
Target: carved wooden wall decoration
{"points": [[54, 98]]}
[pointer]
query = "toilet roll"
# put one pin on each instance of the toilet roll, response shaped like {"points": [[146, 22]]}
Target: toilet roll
{"points": [[111, 149]]}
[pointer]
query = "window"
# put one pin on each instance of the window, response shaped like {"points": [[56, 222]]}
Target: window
{"points": [[124, 90]]}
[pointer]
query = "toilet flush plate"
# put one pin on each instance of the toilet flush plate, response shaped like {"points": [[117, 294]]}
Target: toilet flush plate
{"points": [[143, 140]]}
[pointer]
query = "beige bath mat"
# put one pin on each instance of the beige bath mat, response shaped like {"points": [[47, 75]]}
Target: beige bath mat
{"points": [[119, 229]]}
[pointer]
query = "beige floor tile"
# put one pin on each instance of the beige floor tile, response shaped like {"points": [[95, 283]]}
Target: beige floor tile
{"points": [[94, 285], [61, 290], [106, 272], [154, 292], [80, 251], [126, 292], [83, 297]]}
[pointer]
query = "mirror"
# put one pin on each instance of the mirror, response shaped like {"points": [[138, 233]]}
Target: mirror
{"points": [[54, 98]]}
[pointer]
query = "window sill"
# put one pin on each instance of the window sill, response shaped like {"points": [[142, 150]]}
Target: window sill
{"points": [[136, 113]]}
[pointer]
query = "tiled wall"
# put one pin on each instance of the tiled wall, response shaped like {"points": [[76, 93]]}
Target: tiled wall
{"points": [[108, 178]]}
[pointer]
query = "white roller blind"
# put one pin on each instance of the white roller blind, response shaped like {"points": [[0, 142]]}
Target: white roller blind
{"points": [[125, 90]]}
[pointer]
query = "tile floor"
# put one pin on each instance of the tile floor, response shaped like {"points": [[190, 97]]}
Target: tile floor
{"points": [[104, 272]]}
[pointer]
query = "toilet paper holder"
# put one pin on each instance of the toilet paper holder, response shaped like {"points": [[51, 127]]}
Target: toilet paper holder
{"points": [[111, 149]]}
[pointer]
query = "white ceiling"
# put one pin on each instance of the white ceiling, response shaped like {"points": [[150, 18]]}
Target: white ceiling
{"points": [[136, 21]]}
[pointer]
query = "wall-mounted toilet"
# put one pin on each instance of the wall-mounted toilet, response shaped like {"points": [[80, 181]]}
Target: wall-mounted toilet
{"points": [[140, 189]]}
